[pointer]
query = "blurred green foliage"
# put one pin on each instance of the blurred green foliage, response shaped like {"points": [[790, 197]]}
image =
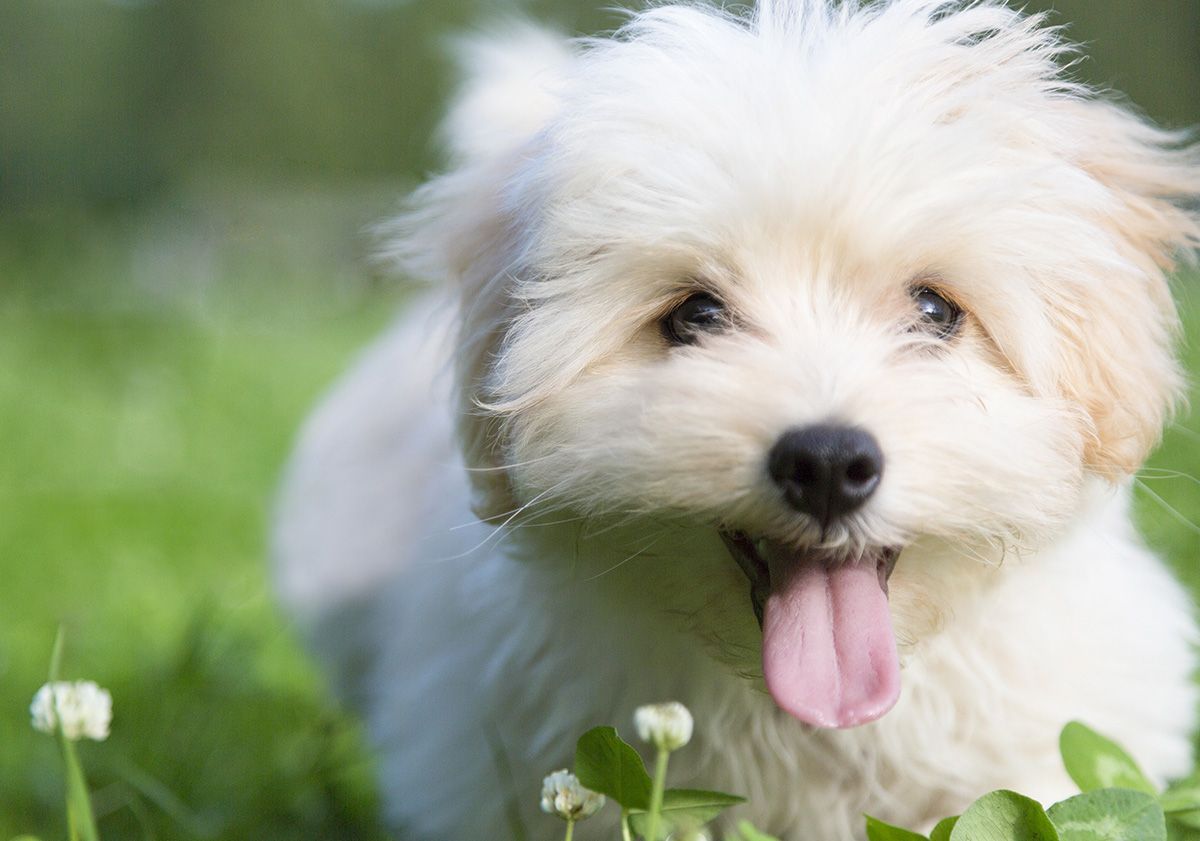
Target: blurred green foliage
{"points": [[184, 190], [152, 374], [114, 101]]}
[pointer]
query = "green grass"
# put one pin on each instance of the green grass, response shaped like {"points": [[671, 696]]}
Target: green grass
{"points": [[143, 432], [143, 436]]}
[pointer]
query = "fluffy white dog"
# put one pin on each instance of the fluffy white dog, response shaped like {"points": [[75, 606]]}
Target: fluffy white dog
{"points": [[799, 362]]}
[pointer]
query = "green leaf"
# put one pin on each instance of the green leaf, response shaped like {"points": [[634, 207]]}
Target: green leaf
{"points": [[1179, 830], [685, 809], [942, 831], [1182, 796], [81, 822], [1094, 762], [747, 832], [1004, 816], [1110, 814], [877, 830], [1190, 819], [56, 654], [27, 838], [80, 819], [607, 764]]}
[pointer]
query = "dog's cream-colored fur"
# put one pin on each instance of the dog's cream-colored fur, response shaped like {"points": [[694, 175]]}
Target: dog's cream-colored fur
{"points": [[809, 163]]}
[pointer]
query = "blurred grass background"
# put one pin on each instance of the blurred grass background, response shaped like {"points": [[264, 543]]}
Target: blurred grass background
{"points": [[184, 190]]}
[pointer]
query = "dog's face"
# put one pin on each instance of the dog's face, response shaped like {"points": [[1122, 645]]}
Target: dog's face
{"points": [[844, 287]]}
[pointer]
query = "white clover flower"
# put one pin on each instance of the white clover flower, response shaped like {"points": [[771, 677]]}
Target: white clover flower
{"points": [[666, 726], [562, 795], [85, 708]]}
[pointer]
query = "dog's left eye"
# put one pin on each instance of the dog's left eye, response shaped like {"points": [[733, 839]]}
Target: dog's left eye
{"points": [[699, 314], [938, 316]]}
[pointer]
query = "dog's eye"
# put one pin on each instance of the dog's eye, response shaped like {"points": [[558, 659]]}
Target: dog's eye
{"points": [[940, 317], [699, 314]]}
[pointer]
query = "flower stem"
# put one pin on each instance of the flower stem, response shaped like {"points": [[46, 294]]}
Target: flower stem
{"points": [[625, 836], [570, 830], [656, 795], [81, 821]]}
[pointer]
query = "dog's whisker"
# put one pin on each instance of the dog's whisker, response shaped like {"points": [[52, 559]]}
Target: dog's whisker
{"points": [[972, 554], [501, 530], [513, 513], [616, 520], [610, 525], [501, 468], [535, 524], [1170, 509], [622, 563], [1160, 474], [523, 508], [1185, 431], [513, 526]]}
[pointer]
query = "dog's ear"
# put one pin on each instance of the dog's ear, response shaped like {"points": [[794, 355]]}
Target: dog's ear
{"points": [[1119, 363], [464, 227]]}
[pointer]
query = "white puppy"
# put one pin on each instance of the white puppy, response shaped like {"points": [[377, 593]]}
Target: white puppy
{"points": [[800, 362]]}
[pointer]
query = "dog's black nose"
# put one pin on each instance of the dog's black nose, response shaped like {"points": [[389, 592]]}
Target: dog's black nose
{"points": [[826, 471]]}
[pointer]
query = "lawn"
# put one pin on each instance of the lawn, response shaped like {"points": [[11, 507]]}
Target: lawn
{"points": [[148, 405], [149, 396]]}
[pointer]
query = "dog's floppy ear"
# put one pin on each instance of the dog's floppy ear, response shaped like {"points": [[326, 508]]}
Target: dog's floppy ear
{"points": [[463, 227], [1119, 362]]}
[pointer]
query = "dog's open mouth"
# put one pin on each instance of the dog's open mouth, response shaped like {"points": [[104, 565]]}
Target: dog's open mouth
{"points": [[829, 654]]}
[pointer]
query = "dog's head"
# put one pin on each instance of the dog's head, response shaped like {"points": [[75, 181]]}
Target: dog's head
{"points": [[833, 281]]}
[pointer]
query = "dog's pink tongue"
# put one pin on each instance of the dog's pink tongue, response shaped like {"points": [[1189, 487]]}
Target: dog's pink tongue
{"points": [[829, 655]]}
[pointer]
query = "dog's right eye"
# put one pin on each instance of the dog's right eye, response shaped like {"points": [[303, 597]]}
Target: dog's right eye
{"points": [[939, 316], [699, 314]]}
